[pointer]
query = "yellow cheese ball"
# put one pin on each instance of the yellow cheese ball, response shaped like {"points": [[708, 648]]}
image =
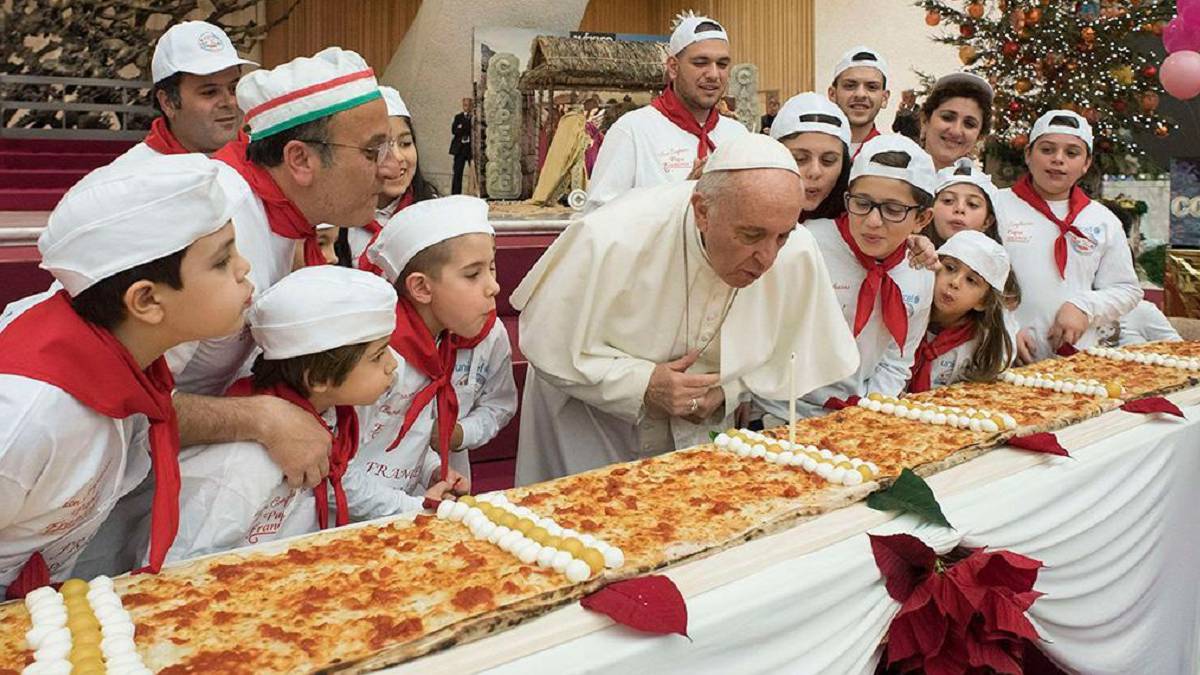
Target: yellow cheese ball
{"points": [[875, 396], [1114, 389], [524, 526], [594, 559], [845, 465], [83, 653], [538, 534], [72, 588], [552, 541], [866, 472], [507, 519], [88, 667], [731, 432], [468, 500], [573, 546], [489, 511], [81, 622], [87, 637]]}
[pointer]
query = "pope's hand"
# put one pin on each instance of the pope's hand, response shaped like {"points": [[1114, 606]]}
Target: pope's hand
{"points": [[715, 398], [677, 393], [294, 440], [922, 253], [1069, 325]]}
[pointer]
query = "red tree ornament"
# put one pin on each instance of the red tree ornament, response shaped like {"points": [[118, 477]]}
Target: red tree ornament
{"points": [[1150, 72], [933, 17], [975, 10], [1011, 49]]}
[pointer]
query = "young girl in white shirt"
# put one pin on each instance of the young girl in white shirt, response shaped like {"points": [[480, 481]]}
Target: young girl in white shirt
{"points": [[967, 338]]}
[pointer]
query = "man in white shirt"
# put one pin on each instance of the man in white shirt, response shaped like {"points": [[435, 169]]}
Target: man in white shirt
{"points": [[666, 140], [859, 88], [717, 288], [196, 70]]}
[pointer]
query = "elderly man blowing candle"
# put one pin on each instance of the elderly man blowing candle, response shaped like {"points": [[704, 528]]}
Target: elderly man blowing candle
{"points": [[650, 320]]}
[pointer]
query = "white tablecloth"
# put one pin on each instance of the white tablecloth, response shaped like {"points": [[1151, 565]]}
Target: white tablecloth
{"points": [[1117, 527]]}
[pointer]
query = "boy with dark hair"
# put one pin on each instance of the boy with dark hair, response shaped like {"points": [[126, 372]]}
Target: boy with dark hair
{"points": [[82, 374], [859, 88], [440, 254], [324, 336]]}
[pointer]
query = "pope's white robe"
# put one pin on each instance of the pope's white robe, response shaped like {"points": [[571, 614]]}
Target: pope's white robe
{"points": [[606, 303]]}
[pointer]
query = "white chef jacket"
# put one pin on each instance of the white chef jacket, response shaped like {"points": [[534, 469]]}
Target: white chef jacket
{"points": [[63, 466], [1146, 323], [883, 366], [644, 148], [1100, 279], [487, 393]]}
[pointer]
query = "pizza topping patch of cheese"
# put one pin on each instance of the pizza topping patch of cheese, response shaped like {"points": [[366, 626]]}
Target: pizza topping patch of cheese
{"points": [[835, 468], [1147, 358], [984, 421]]}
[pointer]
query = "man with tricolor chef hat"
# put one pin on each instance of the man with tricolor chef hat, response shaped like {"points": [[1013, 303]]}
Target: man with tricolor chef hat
{"points": [[651, 320], [196, 70], [664, 141]]}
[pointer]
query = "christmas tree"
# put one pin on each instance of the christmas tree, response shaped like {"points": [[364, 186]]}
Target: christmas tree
{"points": [[1042, 55]]}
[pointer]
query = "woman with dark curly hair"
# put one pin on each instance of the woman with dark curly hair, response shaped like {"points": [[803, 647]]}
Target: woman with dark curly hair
{"points": [[956, 116]]}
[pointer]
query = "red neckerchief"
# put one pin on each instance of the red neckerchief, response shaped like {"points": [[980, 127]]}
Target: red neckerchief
{"points": [[434, 360], [929, 350], [52, 344], [375, 228], [878, 282], [345, 445], [161, 140], [870, 134], [284, 217], [672, 108], [1077, 202], [835, 403]]}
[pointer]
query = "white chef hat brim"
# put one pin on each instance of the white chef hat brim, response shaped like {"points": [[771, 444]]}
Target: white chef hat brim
{"points": [[305, 89], [1046, 125], [423, 225], [971, 175], [395, 104], [874, 60], [919, 173], [316, 309], [686, 33], [788, 120], [132, 213], [982, 254]]}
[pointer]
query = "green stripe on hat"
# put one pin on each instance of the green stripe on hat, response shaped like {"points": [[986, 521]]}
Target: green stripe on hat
{"points": [[316, 114]]}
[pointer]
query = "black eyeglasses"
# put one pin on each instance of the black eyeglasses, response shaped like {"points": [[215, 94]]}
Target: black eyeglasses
{"points": [[893, 212], [379, 152]]}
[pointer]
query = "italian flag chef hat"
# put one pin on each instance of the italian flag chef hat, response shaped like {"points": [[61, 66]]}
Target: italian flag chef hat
{"points": [[305, 89]]}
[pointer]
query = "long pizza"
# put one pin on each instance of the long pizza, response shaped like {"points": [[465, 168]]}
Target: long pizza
{"points": [[363, 597]]}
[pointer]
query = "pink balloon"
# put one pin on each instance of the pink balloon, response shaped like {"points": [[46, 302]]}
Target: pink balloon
{"points": [[1180, 75], [1190, 16], [1181, 5], [1177, 38]]}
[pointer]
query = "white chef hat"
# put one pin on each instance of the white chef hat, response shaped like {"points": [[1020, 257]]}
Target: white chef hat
{"points": [[686, 33], [131, 213], [424, 224], [789, 120], [919, 173], [852, 59], [1044, 125], [395, 104], [970, 79], [319, 308], [305, 89], [982, 254], [965, 171], [195, 47], [750, 151]]}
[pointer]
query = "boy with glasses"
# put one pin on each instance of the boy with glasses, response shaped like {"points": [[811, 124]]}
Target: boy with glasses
{"points": [[885, 301]]}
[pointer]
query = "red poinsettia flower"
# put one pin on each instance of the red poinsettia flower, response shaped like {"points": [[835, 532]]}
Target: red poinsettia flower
{"points": [[956, 615]]}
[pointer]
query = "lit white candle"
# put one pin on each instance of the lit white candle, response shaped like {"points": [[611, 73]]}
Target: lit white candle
{"points": [[792, 399]]}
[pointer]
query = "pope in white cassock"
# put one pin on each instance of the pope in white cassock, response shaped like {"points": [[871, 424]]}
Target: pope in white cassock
{"points": [[650, 320]]}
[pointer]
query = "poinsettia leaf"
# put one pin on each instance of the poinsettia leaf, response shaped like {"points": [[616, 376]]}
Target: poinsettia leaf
{"points": [[1040, 442], [1152, 404], [903, 560], [651, 604], [1009, 570], [918, 629], [912, 494], [994, 654], [1002, 614], [951, 659], [1026, 600], [951, 600], [712, 435]]}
